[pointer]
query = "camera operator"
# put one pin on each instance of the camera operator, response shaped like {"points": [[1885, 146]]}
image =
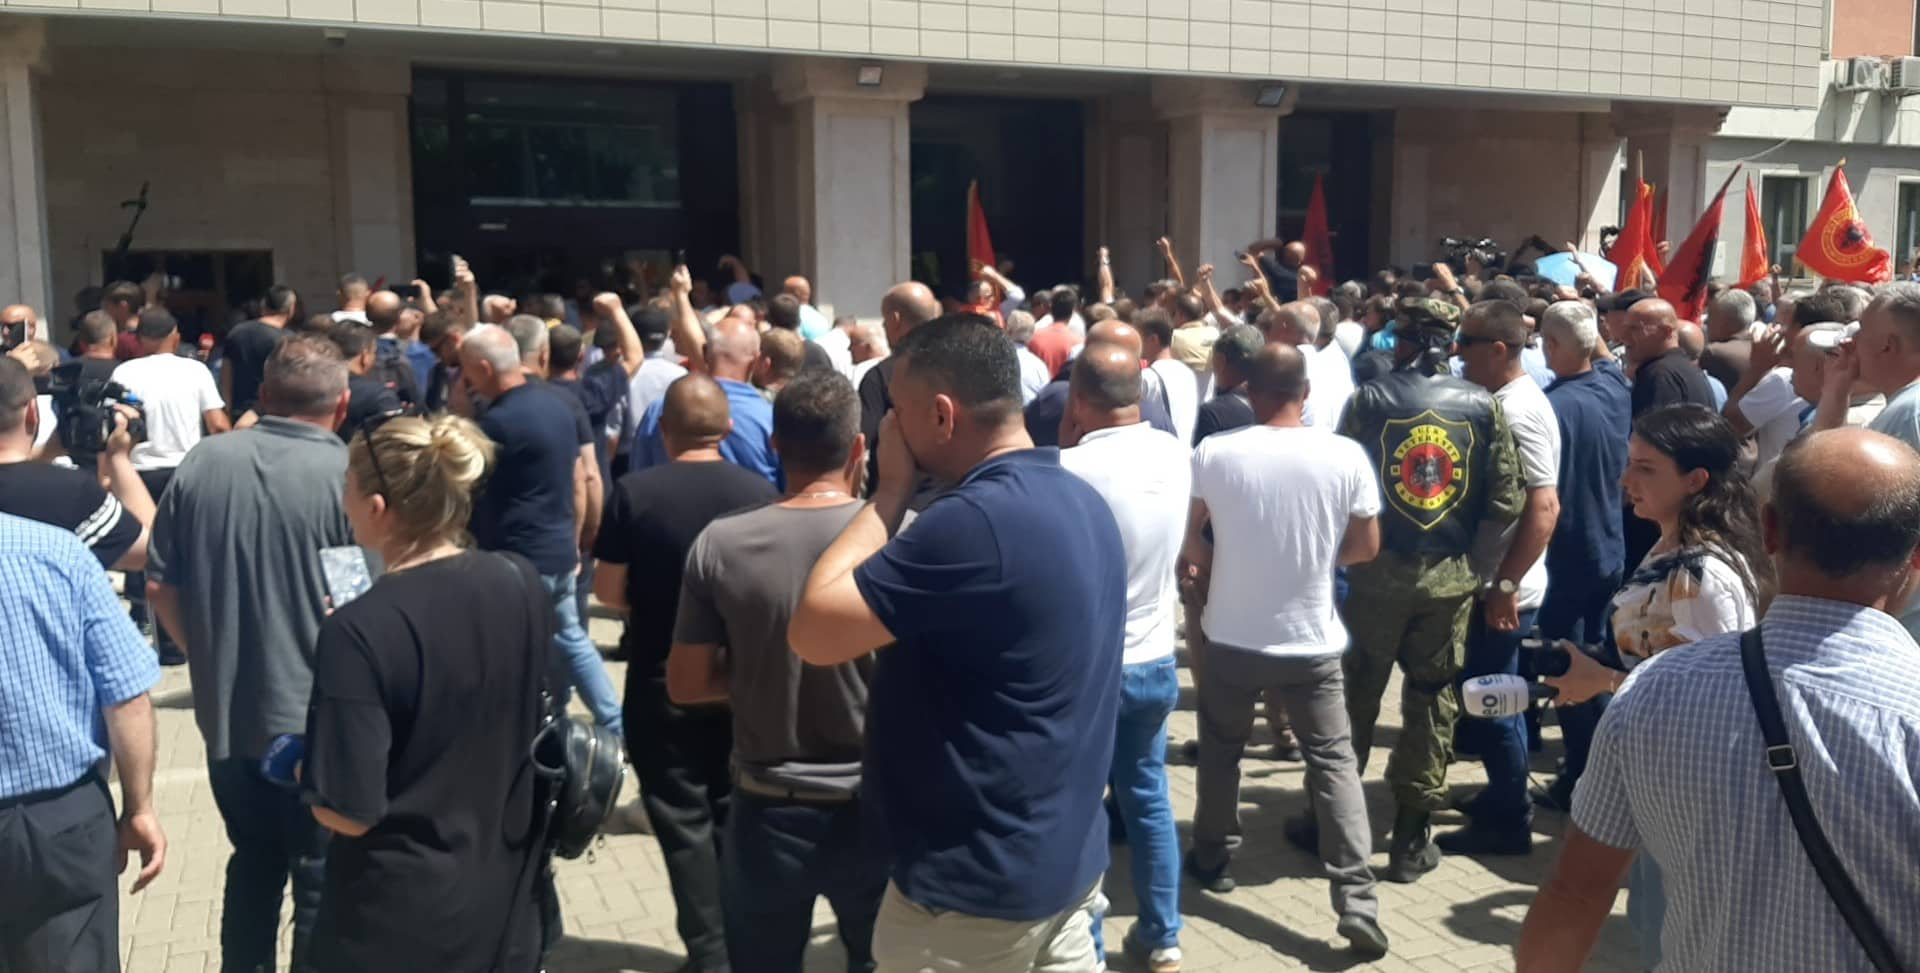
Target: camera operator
{"points": [[111, 525], [94, 337]]}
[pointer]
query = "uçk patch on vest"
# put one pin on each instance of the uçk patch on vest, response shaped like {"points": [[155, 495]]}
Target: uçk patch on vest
{"points": [[1425, 466]]}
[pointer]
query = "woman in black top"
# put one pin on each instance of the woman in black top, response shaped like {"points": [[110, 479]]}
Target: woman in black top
{"points": [[426, 697]]}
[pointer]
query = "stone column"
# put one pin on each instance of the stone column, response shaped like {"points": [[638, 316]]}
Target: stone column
{"points": [[26, 268], [1126, 188], [371, 158], [1223, 166], [853, 192], [1672, 142]]}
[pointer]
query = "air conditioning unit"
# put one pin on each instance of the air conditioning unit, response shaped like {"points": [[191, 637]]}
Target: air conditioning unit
{"points": [[1863, 74], [1903, 75]]}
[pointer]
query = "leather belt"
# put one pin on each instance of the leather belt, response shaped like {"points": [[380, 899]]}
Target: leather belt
{"points": [[797, 795]]}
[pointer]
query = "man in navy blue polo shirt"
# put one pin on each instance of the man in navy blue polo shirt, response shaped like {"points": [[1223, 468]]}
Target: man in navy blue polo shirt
{"points": [[527, 506], [1587, 556], [992, 712]]}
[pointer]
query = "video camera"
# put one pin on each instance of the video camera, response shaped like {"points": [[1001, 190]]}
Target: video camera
{"points": [[1500, 696], [86, 410]]}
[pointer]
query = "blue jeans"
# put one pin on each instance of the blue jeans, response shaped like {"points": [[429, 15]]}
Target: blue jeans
{"points": [[577, 663], [1502, 743], [779, 857], [1577, 608], [1148, 693]]}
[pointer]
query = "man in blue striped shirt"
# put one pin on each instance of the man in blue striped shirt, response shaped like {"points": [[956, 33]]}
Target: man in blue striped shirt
{"points": [[1680, 769], [74, 678]]}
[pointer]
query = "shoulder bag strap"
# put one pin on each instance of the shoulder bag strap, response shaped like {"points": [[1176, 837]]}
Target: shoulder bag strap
{"points": [[1786, 771]]}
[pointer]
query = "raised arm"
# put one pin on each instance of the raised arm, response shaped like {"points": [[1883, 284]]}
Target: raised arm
{"points": [[610, 310], [1173, 262], [688, 337], [1104, 277]]}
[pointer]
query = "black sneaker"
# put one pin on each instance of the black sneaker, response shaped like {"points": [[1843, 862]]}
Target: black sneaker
{"points": [[1303, 832], [1285, 752], [1363, 935], [1557, 796], [171, 656], [1406, 867], [1216, 880], [1475, 839], [1465, 802]]}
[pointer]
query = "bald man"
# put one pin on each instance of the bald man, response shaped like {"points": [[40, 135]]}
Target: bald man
{"points": [[813, 324], [1145, 477], [1280, 263], [728, 359], [1693, 342], [680, 756], [1840, 674], [1663, 375], [391, 368], [903, 308], [1045, 412]]}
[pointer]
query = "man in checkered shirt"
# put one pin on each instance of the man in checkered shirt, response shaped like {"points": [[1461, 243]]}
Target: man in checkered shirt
{"points": [[74, 677], [1679, 766]]}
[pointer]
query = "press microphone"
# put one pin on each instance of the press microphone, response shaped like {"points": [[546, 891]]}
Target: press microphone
{"points": [[1501, 696]]}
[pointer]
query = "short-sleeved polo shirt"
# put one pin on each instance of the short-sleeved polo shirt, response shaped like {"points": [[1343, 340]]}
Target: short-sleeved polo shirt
{"points": [[991, 729]]}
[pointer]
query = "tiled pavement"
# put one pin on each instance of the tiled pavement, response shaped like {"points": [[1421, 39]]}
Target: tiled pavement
{"points": [[1463, 917]]}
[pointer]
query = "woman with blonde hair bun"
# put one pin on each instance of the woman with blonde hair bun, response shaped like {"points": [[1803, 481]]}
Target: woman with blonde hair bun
{"points": [[426, 699]]}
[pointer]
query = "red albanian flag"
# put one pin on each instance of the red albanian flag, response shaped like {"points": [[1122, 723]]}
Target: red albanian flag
{"points": [[1838, 245]]}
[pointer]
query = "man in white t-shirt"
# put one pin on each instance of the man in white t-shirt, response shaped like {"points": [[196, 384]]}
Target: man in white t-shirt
{"points": [[177, 394], [1763, 404], [1298, 323], [179, 399], [1146, 477], [1167, 379], [1512, 559], [1288, 504]]}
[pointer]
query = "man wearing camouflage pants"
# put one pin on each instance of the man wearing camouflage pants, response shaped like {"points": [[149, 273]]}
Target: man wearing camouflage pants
{"points": [[1446, 463]]}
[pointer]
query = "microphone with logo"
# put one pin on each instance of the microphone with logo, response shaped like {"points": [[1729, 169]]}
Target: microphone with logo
{"points": [[1500, 696]]}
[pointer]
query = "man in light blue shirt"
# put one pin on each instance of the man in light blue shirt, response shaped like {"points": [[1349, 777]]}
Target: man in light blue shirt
{"points": [[729, 357], [1680, 770], [74, 678]]}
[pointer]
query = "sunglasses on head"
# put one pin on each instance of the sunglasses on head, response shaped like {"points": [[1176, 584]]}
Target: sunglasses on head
{"points": [[366, 431]]}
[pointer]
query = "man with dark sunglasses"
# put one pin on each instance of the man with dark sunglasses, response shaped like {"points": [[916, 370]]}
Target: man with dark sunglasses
{"points": [[233, 572]]}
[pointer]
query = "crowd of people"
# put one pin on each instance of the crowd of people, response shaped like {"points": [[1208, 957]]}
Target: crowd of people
{"points": [[902, 602]]}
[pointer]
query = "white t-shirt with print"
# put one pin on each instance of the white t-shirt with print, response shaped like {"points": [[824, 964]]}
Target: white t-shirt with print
{"points": [[1279, 499], [1536, 437], [174, 392]]}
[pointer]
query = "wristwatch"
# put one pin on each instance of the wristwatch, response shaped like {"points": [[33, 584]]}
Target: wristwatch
{"points": [[1506, 586]]}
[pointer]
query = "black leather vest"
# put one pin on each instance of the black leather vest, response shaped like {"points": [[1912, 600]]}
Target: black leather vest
{"points": [[1427, 437]]}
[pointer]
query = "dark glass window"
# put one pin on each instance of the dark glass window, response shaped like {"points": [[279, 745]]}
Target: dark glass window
{"points": [[530, 144]]}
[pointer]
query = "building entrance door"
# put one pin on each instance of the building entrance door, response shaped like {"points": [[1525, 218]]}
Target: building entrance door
{"points": [[559, 184], [1028, 157], [1339, 147]]}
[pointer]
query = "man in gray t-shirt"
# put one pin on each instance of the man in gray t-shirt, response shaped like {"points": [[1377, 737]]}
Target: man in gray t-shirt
{"points": [[794, 830], [233, 571]]}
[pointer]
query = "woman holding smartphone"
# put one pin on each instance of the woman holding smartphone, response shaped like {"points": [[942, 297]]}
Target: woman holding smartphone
{"points": [[426, 699], [1707, 575]]}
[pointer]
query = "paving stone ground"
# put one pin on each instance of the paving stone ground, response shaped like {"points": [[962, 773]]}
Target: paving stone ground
{"points": [[1464, 917]]}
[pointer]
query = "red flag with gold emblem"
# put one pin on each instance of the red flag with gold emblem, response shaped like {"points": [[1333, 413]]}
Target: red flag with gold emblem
{"points": [[1754, 264], [1838, 245]]}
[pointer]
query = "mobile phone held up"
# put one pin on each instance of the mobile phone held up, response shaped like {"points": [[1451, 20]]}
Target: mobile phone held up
{"points": [[346, 573]]}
